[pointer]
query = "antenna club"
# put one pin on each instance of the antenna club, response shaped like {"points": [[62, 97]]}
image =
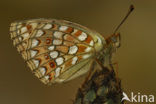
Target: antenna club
{"points": [[131, 7]]}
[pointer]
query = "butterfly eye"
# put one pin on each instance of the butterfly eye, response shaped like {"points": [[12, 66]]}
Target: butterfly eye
{"points": [[113, 39]]}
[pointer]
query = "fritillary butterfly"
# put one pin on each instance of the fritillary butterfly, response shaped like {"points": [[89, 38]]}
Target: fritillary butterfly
{"points": [[57, 50]]}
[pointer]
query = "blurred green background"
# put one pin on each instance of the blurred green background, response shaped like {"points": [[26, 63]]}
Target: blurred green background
{"points": [[136, 56]]}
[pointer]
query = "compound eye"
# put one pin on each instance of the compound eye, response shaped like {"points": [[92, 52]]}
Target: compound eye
{"points": [[113, 39]]}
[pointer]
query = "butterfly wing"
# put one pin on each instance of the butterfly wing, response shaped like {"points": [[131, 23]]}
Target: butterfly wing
{"points": [[55, 50]]}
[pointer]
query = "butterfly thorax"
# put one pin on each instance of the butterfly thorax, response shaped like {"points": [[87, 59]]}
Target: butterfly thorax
{"points": [[112, 43]]}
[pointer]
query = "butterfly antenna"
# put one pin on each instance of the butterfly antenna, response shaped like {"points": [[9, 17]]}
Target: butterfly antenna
{"points": [[131, 8]]}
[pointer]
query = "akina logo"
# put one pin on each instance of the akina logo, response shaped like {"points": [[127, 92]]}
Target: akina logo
{"points": [[140, 98]]}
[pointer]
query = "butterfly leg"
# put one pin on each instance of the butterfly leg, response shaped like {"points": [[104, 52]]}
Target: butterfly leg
{"points": [[101, 65], [115, 66]]}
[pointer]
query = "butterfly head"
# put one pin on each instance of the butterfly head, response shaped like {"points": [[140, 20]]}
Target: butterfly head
{"points": [[114, 40], [112, 44]]}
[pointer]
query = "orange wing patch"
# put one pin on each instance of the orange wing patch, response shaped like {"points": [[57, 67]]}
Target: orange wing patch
{"points": [[77, 33], [81, 48], [88, 40], [69, 30], [63, 49]]}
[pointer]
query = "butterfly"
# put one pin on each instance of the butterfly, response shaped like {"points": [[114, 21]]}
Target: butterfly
{"points": [[57, 51]]}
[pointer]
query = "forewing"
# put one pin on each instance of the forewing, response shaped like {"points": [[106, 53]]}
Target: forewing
{"points": [[55, 50]]}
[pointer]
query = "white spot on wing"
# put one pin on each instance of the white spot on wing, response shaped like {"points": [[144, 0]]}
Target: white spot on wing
{"points": [[34, 43], [59, 60], [23, 29], [47, 26], [99, 40], [73, 49], [88, 49], [33, 53], [36, 62], [91, 43], [75, 30], [46, 77], [57, 72], [25, 35], [63, 28], [18, 32], [42, 70], [57, 42], [51, 48], [39, 33], [83, 36], [86, 56], [20, 38], [19, 26], [34, 25], [54, 54], [58, 34], [74, 60]]}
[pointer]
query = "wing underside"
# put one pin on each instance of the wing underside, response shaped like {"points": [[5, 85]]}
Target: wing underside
{"points": [[55, 50]]}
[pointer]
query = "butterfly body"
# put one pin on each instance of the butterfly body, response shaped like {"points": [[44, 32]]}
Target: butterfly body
{"points": [[56, 50]]}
